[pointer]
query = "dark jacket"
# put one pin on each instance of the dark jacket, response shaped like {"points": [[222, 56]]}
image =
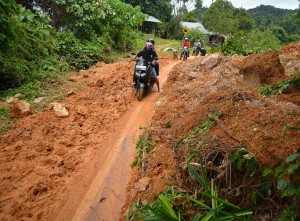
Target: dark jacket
{"points": [[147, 54]]}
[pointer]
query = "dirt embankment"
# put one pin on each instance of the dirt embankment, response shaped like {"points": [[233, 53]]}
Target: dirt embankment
{"points": [[45, 158], [48, 162], [197, 88]]}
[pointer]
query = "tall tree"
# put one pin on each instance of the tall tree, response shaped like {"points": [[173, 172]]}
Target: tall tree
{"points": [[182, 8], [160, 9], [266, 16], [223, 18], [86, 18], [195, 14], [219, 17], [244, 19]]}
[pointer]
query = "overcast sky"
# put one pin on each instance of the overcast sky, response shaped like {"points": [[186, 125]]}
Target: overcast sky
{"points": [[247, 4]]}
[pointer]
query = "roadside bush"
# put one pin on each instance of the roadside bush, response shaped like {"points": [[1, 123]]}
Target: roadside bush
{"points": [[79, 54], [246, 43], [30, 51]]}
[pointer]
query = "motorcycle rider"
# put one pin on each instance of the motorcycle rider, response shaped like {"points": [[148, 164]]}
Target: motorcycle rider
{"points": [[188, 45], [149, 54], [156, 63], [197, 44]]}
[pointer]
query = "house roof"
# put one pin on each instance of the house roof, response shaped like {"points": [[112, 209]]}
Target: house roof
{"points": [[196, 25], [152, 19]]}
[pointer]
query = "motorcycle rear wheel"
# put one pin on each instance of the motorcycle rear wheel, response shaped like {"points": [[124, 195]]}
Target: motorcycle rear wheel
{"points": [[140, 93]]}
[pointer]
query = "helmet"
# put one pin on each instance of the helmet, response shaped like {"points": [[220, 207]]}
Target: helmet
{"points": [[149, 46], [186, 39], [151, 40]]}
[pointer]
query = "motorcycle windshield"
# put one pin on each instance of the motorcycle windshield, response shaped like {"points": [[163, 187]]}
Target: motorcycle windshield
{"points": [[142, 62], [140, 67]]}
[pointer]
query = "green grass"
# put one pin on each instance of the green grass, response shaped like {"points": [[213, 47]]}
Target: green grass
{"points": [[5, 120]]}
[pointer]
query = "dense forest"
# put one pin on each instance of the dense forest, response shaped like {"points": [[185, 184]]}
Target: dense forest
{"points": [[282, 22], [40, 39]]}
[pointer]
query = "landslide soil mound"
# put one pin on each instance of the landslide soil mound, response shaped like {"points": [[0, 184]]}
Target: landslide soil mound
{"points": [[228, 85]]}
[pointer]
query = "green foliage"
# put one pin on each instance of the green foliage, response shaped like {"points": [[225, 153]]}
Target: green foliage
{"points": [[222, 17], [200, 177], [245, 162], [161, 210], [290, 128], [279, 87], [5, 120], [244, 21], [191, 16], [7, 9], [142, 147], [195, 35], [30, 52], [84, 17], [287, 176], [280, 33], [161, 9], [79, 54], [246, 43], [88, 19], [171, 204], [282, 22], [168, 123]]}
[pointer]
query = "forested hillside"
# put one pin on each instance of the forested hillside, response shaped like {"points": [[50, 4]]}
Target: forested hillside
{"points": [[282, 22]]}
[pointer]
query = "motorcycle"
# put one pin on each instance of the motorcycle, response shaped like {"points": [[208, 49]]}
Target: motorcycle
{"points": [[202, 51], [196, 50], [185, 53], [142, 77]]}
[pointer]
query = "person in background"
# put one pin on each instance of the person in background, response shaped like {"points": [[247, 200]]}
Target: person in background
{"points": [[197, 44], [187, 44]]}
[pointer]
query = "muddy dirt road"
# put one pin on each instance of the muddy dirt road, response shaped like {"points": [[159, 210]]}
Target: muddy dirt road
{"points": [[106, 193], [77, 167]]}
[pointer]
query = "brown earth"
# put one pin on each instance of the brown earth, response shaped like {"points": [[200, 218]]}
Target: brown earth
{"points": [[77, 167]]}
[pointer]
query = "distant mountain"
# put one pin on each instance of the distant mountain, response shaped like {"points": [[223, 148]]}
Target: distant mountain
{"points": [[264, 11], [267, 16]]}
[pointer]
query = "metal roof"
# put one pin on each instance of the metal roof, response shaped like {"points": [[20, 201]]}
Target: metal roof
{"points": [[152, 19], [196, 25]]}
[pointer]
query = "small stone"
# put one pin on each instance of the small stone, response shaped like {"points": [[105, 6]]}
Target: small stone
{"points": [[142, 184], [38, 100]]}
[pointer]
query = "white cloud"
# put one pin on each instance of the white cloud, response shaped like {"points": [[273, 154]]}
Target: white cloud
{"points": [[246, 4]]}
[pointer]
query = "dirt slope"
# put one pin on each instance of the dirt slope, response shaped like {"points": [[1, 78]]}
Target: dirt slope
{"points": [[48, 164], [229, 85], [47, 161]]}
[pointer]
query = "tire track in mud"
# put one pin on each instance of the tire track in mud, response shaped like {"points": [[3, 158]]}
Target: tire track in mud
{"points": [[105, 194]]}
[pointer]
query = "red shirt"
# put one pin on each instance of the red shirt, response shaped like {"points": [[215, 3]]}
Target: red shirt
{"points": [[186, 43]]}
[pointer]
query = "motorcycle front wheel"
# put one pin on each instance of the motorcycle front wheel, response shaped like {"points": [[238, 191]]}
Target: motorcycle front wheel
{"points": [[140, 93]]}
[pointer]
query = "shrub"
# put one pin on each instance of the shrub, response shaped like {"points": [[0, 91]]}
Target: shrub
{"points": [[246, 43]]}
